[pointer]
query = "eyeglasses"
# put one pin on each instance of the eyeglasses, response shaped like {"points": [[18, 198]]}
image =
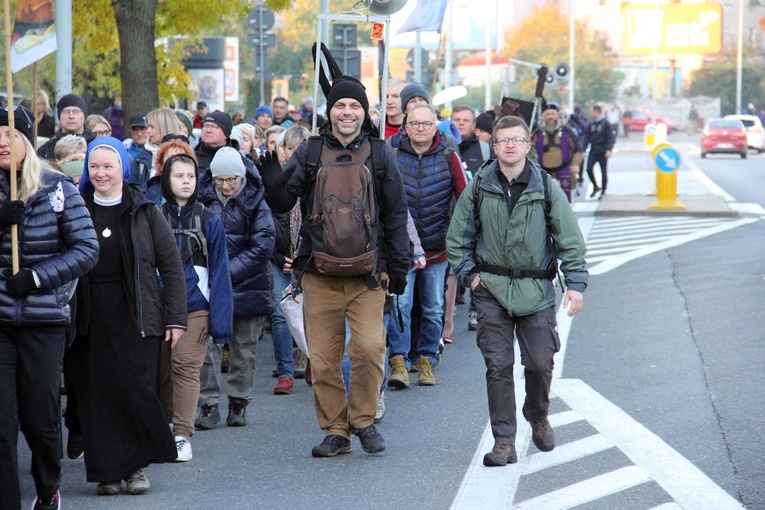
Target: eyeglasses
{"points": [[517, 141], [210, 125], [100, 134], [219, 181], [71, 111], [417, 125]]}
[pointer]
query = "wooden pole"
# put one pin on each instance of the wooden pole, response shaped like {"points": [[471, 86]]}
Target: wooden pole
{"points": [[11, 128], [34, 105]]}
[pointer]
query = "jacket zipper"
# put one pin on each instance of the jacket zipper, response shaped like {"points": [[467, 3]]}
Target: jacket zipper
{"points": [[137, 262]]}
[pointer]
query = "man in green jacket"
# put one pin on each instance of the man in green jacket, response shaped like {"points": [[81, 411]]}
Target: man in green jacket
{"points": [[499, 244]]}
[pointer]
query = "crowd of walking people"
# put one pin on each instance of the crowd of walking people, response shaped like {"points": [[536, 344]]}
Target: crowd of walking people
{"points": [[154, 255]]}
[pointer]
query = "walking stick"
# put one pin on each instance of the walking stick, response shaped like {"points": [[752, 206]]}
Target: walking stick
{"points": [[11, 128]]}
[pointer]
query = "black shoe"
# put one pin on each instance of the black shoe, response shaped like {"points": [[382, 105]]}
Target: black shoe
{"points": [[601, 195], [371, 440], [54, 503], [331, 446], [500, 455], [208, 418], [237, 412], [595, 190], [74, 446]]}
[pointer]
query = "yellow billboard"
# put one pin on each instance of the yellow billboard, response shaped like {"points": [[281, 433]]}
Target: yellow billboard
{"points": [[672, 29]]}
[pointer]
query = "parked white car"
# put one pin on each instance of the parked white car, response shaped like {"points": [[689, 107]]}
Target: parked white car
{"points": [[755, 133]]}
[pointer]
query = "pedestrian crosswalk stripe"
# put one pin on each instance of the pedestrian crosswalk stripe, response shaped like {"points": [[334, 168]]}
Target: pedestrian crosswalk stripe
{"points": [[587, 490], [567, 453], [667, 506]]}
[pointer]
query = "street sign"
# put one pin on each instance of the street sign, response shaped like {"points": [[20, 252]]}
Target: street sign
{"points": [[269, 40], [253, 18], [344, 36], [673, 28], [349, 61], [423, 57], [666, 157]]}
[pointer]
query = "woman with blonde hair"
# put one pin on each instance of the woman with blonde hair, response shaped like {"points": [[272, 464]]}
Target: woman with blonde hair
{"points": [[98, 125], [159, 123], [59, 245], [248, 137], [46, 124]]}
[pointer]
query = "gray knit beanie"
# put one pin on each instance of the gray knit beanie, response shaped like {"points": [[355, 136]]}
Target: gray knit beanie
{"points": [[227, 161], [411, 91]]}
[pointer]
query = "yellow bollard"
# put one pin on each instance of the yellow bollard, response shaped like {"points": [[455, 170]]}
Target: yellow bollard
{"points": [[649, 136], [667, 161]]}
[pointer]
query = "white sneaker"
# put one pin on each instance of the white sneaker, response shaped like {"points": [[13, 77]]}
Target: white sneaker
{"points": [[380, 408], [184, 449]]}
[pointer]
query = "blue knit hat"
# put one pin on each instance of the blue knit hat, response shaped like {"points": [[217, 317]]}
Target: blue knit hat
{"points": [[264, 109]]}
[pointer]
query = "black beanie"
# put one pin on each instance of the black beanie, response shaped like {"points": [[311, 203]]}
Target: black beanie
{"points": [[222, 120], [22, 120], [71, 100], [347, 87], [484, 122]]}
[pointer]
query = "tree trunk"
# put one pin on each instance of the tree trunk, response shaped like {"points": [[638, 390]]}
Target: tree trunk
{"points": [[138, 60]]}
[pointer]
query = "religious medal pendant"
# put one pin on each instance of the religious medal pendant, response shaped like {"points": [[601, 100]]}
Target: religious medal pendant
{"points": [[106, 232]]}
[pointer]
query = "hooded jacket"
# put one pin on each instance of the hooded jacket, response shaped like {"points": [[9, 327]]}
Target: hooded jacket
{"points": [[147, 247], [205, 155], [57, 240], [518, 241], [208, 281], [250, 239], [393, 249], [48, 148]]}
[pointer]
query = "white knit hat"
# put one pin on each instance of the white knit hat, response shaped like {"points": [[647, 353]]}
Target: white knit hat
{"points": [[227, 161]]}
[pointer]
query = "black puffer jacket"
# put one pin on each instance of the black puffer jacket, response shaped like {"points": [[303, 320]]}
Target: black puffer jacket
{"points": [[250, 240], [147, 247], [47, 149], [57, 240]]}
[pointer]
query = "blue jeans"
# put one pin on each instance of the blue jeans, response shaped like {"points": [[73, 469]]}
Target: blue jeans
{"points": [[348, 364], [280, 334], [430, 280]]}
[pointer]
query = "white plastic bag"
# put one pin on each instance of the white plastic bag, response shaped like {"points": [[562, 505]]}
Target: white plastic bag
{"points": [[292, 306]]}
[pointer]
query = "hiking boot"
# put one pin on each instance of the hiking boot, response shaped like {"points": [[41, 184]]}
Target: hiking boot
{"points": [[225, 359], [425, 373], [137, 483], [109, 488], [308, 373], [183, 447], [472, 321], [542, 435], [399, 377], [500, 455], [371, 440], [284, 386], [54, 503], [331, 446], [380, 408], [208, 418], [237, 412], [74, 446], [300, 361]]}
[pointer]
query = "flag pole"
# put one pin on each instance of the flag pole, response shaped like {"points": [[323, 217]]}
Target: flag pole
{"points": [[34, 105], [11, 128]]}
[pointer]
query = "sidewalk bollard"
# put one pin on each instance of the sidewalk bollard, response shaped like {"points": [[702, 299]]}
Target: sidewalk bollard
{"points": [[667, 161], [649, 136]]}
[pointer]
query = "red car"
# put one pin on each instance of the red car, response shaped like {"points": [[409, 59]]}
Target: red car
{"points": [[641, 118], [724, 135]]}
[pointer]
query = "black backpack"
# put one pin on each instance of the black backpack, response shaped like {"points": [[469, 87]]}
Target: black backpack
{"points": [[195, 234]]}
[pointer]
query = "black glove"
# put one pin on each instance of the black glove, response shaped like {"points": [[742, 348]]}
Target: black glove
{"points": [[11, 213], [20, 284], [271, 171], [397, 283]]}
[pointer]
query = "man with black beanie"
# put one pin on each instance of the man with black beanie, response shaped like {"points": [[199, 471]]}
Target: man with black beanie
{"points": [[216, 133], [72, 111], [330, 298]]}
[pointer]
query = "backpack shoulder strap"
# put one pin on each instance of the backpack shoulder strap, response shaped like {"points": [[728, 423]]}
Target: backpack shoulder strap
{"points": [[377, 147], [315, 144]]}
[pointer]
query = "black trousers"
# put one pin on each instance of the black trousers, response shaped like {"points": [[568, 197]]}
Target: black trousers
{"points": [[601, 159], [31, 360], [538, 340]]}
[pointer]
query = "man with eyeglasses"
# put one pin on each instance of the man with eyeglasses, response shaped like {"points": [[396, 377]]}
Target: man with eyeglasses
{"points": [[433, 175], [506, 234], [72, 111], [216, 133]]}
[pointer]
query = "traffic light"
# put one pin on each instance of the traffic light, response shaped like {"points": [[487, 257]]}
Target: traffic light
{"points": [[561, 72]]}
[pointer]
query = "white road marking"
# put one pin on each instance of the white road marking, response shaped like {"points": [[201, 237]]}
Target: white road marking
{"points": [[587, 490], [567, 453]]}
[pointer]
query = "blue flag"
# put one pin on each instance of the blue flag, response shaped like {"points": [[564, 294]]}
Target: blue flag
{"points": [[426, 17]]}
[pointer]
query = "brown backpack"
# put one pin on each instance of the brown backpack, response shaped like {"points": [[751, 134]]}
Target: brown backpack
{"points": [[342, 219]]}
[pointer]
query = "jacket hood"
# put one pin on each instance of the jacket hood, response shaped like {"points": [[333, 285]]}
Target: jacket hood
{"points": [[167, 191], [115, 145]]}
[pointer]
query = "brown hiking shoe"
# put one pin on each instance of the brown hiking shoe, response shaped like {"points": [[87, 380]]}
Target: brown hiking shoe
{"points": [[399, 376], [425, 373], [543, 435], [500, 455]]}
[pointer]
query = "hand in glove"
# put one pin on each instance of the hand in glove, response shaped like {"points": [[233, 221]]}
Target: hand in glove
{"points": [[20, 284], [271, 171], [11, 213], [397, 283]]}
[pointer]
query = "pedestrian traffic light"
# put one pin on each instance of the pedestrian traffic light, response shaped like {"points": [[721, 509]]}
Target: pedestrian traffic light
{"points": [[561, 72]]}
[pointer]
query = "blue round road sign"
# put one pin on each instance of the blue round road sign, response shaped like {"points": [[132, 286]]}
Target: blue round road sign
{"points": [[667, 159]]}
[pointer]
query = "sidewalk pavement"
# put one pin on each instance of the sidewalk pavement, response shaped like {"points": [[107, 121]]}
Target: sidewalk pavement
{"points": [[632, 185]]}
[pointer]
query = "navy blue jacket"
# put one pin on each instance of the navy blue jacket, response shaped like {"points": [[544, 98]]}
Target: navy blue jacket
{"points": [[57, 240], [140, 167], [250, 239]]}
